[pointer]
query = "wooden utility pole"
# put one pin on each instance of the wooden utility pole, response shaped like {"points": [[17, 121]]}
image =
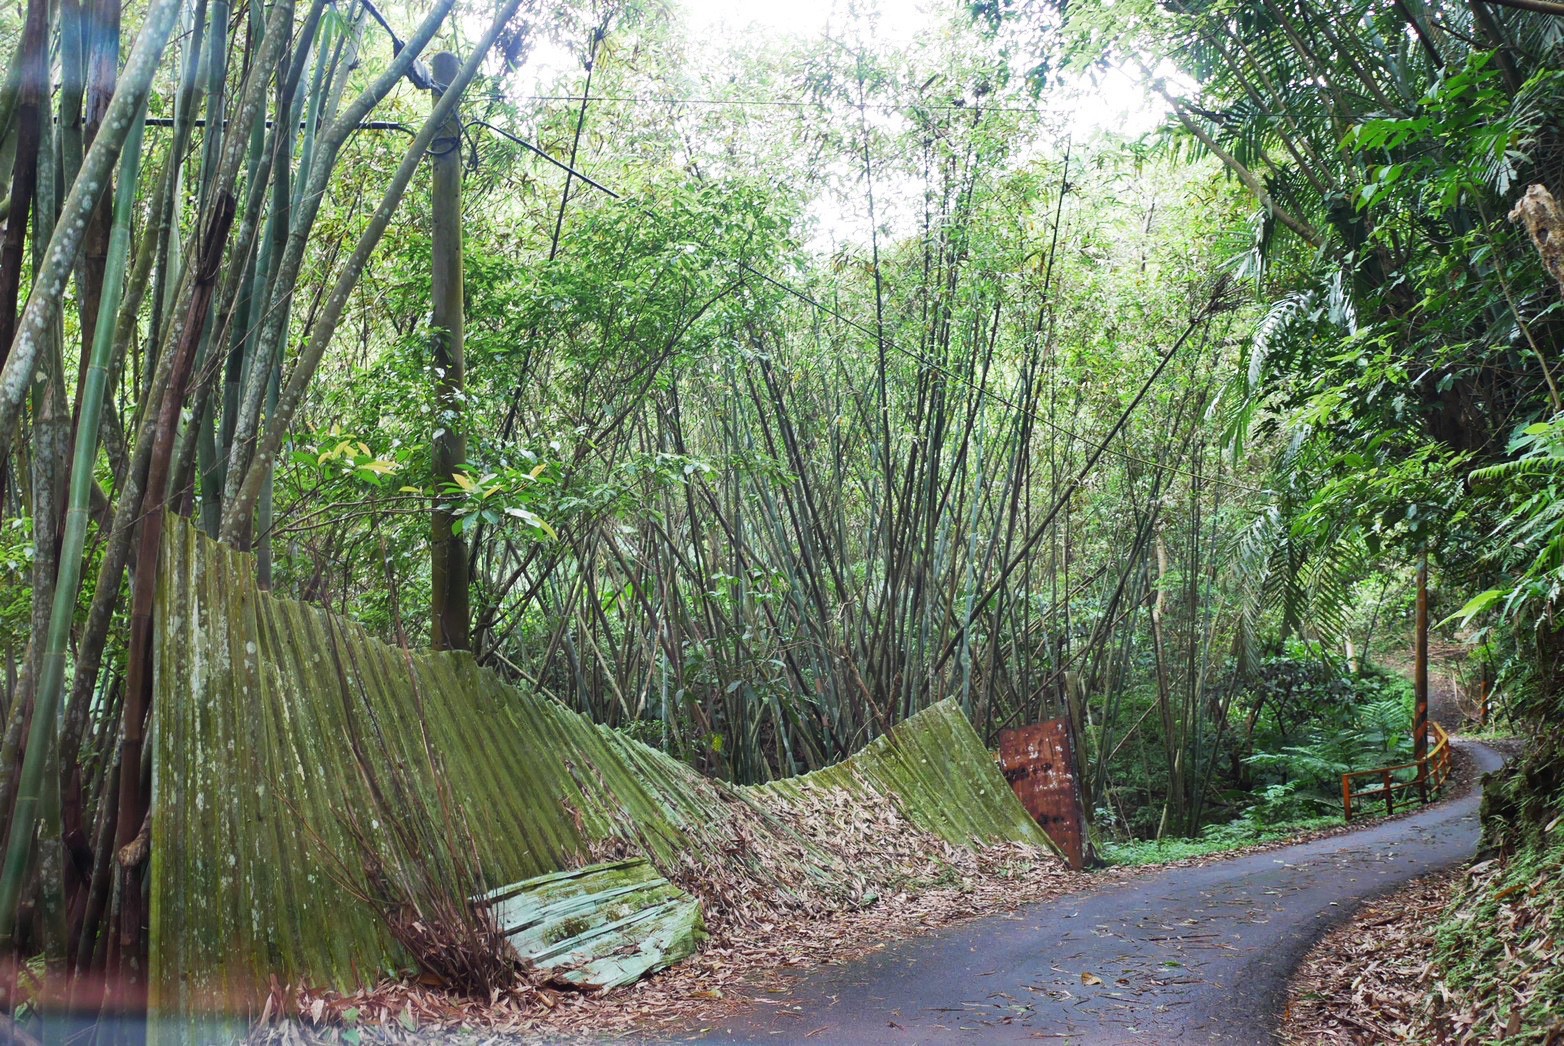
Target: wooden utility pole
{"points": [[1420, 680], [448, 570]]}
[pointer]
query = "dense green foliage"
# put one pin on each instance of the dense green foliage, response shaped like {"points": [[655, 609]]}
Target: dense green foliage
{"points": [[809, 381], [1300, 720], [1409, 354]]}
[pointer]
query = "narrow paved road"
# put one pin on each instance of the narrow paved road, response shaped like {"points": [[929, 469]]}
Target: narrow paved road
{"points": [[1187, 955]]}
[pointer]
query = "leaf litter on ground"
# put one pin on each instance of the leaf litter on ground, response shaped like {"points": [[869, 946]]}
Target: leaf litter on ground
{"points": [[901, 881]]}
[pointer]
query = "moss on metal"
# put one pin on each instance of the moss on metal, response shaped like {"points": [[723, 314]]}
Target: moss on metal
{"points": [[602, 926], [253, 770]]}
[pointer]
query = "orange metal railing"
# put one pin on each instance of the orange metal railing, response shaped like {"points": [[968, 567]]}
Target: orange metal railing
{"points": [[1432, 772]]}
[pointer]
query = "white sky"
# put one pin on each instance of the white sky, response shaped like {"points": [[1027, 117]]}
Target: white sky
{"points": [[900, 19], [1120, 103], [1117, 103]]}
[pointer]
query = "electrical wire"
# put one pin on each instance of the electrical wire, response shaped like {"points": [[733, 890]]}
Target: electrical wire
{"points": [[367, 125], [775, 103]]}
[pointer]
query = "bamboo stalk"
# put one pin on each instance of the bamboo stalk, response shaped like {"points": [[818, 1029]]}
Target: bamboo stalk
{"points": [[239, 506], [60, 256], [68, 581]]}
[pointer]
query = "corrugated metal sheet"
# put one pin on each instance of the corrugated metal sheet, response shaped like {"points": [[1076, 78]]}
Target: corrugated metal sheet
{"points": [[602, 926], [251, 746]]}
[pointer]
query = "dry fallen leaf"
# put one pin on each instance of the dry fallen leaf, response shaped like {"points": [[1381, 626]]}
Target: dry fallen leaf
{"points": [[1090, 978], [896, 880]]}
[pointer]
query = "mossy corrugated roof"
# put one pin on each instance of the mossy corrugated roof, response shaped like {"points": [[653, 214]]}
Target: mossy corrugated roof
{"points": [[256, 697]]}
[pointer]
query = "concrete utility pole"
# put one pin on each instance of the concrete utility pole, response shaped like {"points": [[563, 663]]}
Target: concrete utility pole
{"points": [[448, 571]]}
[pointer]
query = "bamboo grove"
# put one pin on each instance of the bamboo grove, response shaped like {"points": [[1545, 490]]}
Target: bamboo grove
{"points": [[164, 266], [804, 387]]}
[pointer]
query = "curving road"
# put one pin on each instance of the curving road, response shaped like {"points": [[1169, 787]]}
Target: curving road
{"points": [[1192, 954]]}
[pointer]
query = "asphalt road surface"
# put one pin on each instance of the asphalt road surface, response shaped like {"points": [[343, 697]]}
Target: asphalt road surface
{"points": [[1192, 954]]}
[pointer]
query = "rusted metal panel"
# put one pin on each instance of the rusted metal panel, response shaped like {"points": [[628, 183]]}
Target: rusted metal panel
{"points": [[1039, 763]]}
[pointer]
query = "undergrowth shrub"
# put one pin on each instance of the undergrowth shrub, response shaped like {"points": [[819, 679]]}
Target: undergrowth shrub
{"points": [[1317, 721], [1496, 951], [1300, 722], [1496, 948]]}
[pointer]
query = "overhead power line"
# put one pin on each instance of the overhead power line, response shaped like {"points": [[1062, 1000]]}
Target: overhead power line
{"points": [[775, 103], [366, 125], [419, 77], [417, 73]]}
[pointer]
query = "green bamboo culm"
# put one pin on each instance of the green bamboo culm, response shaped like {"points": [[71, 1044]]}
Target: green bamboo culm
{"points": [[8, 92], [51, 675], [135, 81]]}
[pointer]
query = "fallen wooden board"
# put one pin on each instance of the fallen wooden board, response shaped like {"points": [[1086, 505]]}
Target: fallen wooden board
{"points": [[602, 926]]}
